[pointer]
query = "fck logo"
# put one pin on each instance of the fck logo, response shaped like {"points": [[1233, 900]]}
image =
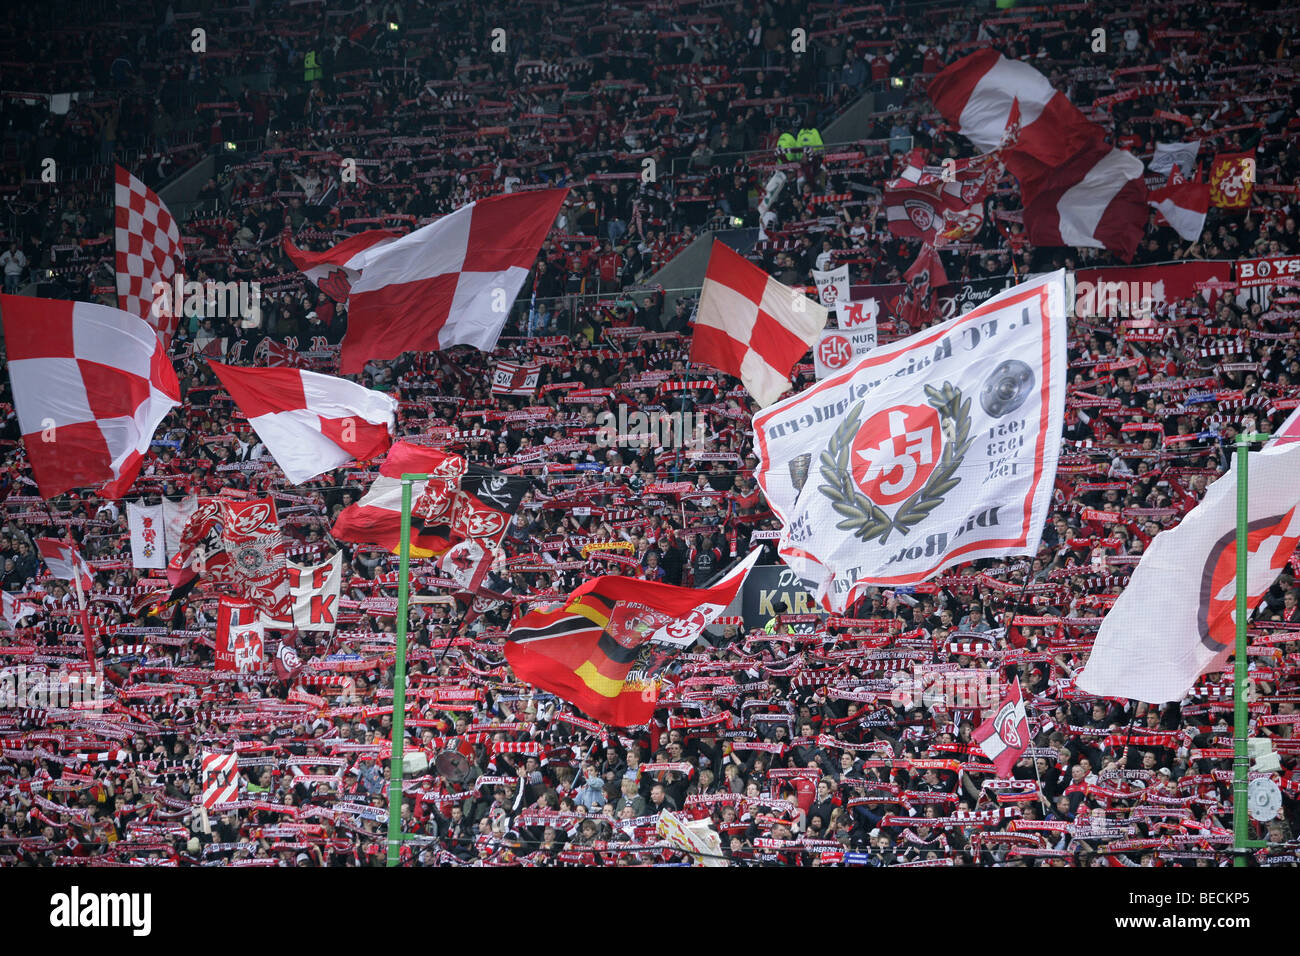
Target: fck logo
{"points": [[895, 451]]}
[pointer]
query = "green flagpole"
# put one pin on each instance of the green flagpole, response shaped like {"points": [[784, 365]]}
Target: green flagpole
{"points": [[399, 678], [1241, 754]]}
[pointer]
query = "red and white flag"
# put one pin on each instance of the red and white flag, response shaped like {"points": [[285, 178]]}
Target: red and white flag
{"points": [[1183, 204], [1176, 619], [915, 304], [13, 610], [512, 378], [751, 326], [241, 638], [315, 589], [220, 779], [310, 423], [451, 282], [377, 517], [149, 251], [938, 204], [90, 385], [1289, 430], [336, 269], [1005, 735], [1077, 189], [65, 561]]}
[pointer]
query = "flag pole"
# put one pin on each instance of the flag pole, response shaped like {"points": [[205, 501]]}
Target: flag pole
{"points": [[395, 773], [1241, 759]]}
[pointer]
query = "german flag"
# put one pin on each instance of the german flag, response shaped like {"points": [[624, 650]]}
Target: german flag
{"points": [[584, 649]]}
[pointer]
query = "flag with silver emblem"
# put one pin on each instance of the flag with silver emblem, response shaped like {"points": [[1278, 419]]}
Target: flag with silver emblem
{"points": [[932, 451]]}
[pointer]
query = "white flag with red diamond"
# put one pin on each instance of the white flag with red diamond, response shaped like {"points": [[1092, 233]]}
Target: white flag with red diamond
{"points": [[932, 451], [751, 326], [90, 385]]}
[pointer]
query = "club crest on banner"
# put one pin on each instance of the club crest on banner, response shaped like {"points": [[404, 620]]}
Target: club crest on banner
{"points": [[1004, 725], [907, 453]]}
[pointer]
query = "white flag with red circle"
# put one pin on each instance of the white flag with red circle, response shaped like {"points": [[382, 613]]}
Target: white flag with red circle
{"points": [[932, 451], [1176, 619]]}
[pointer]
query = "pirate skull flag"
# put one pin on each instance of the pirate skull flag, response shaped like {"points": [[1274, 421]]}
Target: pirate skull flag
{"points": [[932, 451]]}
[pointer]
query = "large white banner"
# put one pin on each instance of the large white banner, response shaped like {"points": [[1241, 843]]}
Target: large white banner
{"points": [[148, 535], [931, 451], [1177, 618]]}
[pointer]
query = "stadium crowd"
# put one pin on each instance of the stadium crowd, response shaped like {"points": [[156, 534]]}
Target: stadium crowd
{"points": [[819, 740]]}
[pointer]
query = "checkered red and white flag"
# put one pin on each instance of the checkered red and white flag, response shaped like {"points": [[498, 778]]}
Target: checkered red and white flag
{"points": [[751, 326], [148, 251], [451, 282], [220, 779], [90, 385]]}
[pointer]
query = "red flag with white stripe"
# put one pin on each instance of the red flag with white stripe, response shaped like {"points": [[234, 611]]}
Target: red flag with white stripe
{"points": [[310, 423], [1182, 204], [337, 268], [149, 251], [1005, 735], [451, 282], [751, 326], [65, 561], [13, 610], [91, 384], [1077, 189]]}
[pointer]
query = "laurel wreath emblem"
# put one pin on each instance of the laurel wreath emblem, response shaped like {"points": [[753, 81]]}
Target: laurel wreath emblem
{"points": [[866, 519]]}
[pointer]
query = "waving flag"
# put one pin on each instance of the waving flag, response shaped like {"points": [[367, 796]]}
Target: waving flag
{"points": [[90, 384], [605, 646], [240, 638], [934, 450], [336, 269], [377, 517], [1077, 189], [13, 610], [237, 547], [1005, 735], [221, 781], [1183, 205], [451, 282], [65, 561], [1176, 619], [925, 203], [310, 423], [751, 326], [149, 251]]}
